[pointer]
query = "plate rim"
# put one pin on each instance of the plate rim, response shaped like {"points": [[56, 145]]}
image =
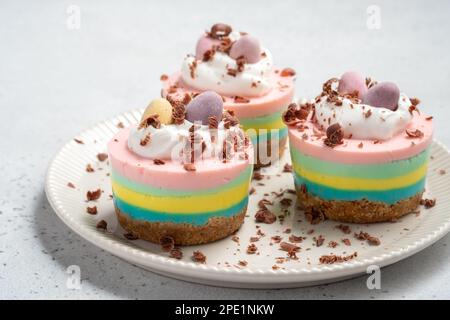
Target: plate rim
{"points": [[260, 276]]}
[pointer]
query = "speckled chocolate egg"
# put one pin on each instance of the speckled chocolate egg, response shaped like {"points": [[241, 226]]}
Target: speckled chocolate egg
{"points": [[203, 106], [352, 82], [204, 44], [382, 95], [162, 108], [247, 47]]}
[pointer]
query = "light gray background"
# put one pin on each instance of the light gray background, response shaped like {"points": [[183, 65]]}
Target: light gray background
{"points": [[55, 82]]}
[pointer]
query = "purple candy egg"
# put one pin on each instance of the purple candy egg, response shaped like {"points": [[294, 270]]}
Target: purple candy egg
{"points": [[204, 44], [352, 82], [203, 106], [247, 47], [383, 95]]}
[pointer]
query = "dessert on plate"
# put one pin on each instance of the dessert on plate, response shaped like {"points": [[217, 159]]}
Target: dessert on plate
{"points": [[359, 150], [183, 171], [237, 67]]}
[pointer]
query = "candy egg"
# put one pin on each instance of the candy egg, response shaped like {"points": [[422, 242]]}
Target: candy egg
{"points": [[247, 47], [204, 44], [160, 107], [352, 82], [203, 106], [383, 95]]}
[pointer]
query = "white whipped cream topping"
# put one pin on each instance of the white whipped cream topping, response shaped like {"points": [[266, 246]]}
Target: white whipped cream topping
{"points": [[382, 124], [168, 141], [212, 74]]}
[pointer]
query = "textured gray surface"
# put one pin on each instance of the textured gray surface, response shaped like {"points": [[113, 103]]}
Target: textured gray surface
{"points": [[54, 82]]}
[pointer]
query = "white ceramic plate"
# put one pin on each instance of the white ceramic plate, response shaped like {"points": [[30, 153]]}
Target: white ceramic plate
{"points": [[398, 240]]}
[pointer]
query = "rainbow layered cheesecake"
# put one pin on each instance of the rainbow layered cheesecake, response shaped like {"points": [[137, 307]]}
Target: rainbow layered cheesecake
{"points": [[359, 151], [235, 65], [184, 171]]}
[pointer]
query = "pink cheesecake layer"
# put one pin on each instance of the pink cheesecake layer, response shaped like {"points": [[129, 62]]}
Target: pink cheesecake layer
{"points": [[277, 98], [209, 173], [399, 147]]}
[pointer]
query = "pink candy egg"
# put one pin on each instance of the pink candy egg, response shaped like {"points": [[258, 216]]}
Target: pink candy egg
{"points": [[204, 44], [247, 47], [383, 95], [203, 106], [352, 82]]}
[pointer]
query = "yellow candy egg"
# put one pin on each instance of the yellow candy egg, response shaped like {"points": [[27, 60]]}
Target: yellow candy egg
{"points": [[162, 108]]}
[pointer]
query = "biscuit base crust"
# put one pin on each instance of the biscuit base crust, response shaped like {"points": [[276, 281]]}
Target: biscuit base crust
{"points": [[182, 233]]}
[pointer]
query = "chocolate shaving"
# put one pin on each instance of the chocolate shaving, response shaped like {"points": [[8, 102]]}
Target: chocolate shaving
{"points": [[287, 72], [144, 141], [93, 195], [102, 224], [189, 167], [243, 263], [330, 259], [414, 133], [198, 256], [219, 31], [239, 99], [289, 247], [287, 168], [229, 120], [178, 112], [344, 228], [167, 243], [70, 185], [276, 239], [319, 240], [151, 120], [415, 101], [102, 157], [213, 123], [428, 203], [192, 68], [296, 239], [91, 210], [163, 77], [79, 141], [373, 241], [265, 216], [176, 253], [158, 162], [252, 248], [332, 244], [335, 135], [257, 176], [346, 242], [232, 72], [208, 55]]}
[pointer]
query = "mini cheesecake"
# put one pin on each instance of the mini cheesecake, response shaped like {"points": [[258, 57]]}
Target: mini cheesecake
{"points": [[359, 151], [181, 173], [235, 65]]}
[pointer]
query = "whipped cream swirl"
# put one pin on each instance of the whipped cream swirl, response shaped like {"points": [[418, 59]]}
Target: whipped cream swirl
{"points": [[253, 81], [362, 121], [167, 142]]}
